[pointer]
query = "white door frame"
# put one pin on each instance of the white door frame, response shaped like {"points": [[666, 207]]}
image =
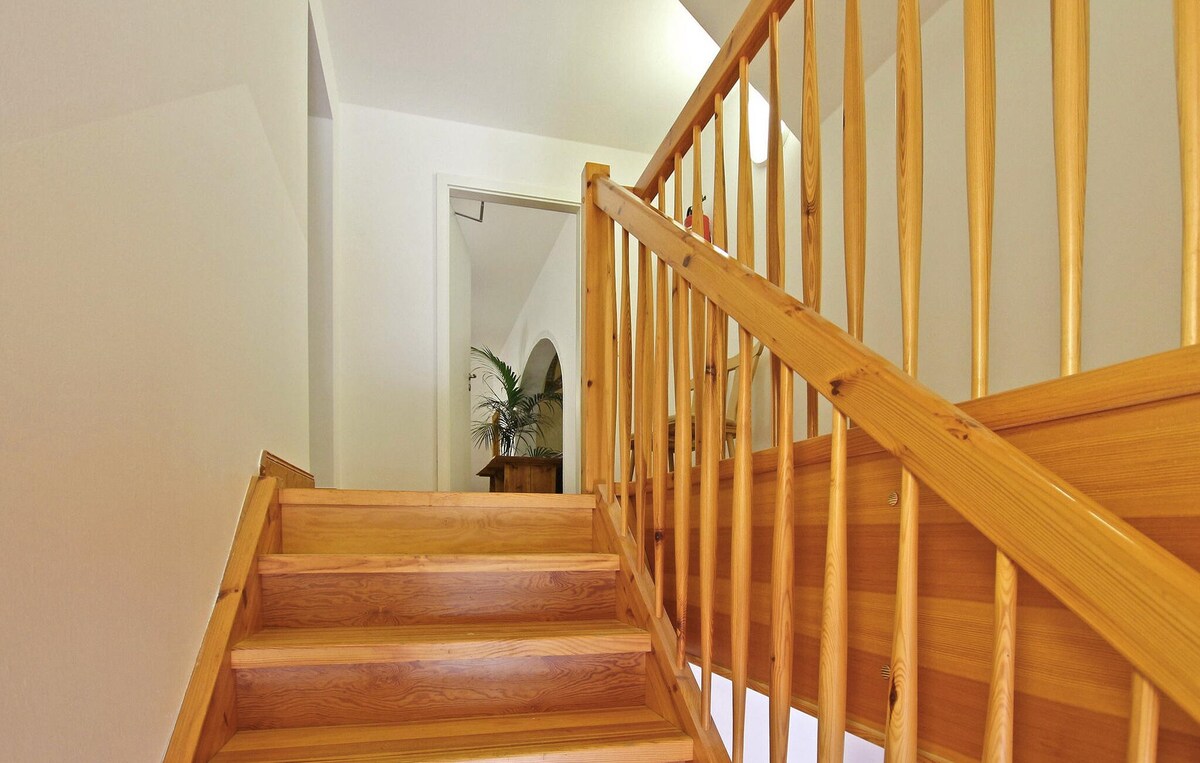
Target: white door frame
{"points": [[518, 194]]}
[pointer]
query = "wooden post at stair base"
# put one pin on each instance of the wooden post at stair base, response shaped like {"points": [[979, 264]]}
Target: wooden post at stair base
{"points": [[832, 673], [900, 740], [597, 246]]}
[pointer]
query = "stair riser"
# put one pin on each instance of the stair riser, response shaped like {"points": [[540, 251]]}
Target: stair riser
{"points": [[428, 530], [381, 693], [318, 600]]}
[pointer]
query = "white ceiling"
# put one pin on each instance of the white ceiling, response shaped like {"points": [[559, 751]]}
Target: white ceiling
{"points": [[609, 72], [507, 251], [878, 40]]}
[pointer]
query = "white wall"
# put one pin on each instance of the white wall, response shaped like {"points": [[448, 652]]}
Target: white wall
{"points": [[464, 462], [153, 299], [385, 272], [552, 312], [1132, 239], [320, 299]]}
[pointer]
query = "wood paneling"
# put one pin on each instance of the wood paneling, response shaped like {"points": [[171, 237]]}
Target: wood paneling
{"points": [[380, 693], [1072, 698]]}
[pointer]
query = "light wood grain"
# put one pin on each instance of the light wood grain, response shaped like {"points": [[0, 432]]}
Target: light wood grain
{"points": [[208, 715], [1143, 722], [643, 385], [743, 477], [636, 591], [596, 252], [810, 177], [611, 341], [343, 597], [901, 740], [661, 361], [1069, 34], [681, 366], [979, 41], [332, 498], [328, 695], [832, 670], [408, 564], [720, 215], [288, 474], [381, 529], [776, 219], [1187, 84], [1073, 689], [1098, 564], [622, 735], [625, 389], [782, 577], [294, 647], [746, 37]]}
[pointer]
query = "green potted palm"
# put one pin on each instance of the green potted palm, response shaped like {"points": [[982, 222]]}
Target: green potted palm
{"points": [[511, 417]]}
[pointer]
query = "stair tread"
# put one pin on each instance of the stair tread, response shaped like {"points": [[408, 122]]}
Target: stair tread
{"points": [[620, 735], [286, 647], [334, 497], [302, 564]]}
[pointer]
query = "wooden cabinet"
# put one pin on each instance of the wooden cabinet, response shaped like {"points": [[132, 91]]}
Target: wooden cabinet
{"points": [[523, 474]]}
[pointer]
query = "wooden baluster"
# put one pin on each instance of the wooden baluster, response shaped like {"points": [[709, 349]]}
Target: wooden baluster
{"points": [[625, 386], [775, 217], [743, 475], [1069, 33], [683, 442], [1143, 722], [720, 226], [683, 436], [900, 742], [1187, 84], [699, 314], [980, 87], [831, 696], [810, 160], [643, 388], [783, 541], [610, 366], [661, 355]]}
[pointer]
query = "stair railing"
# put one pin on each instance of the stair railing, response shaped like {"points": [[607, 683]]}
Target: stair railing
{"points": [[1141, 599]]}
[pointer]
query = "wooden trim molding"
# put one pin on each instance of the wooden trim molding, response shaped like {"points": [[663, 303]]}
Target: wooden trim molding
{"points": [[288, 474], [208, 715]]}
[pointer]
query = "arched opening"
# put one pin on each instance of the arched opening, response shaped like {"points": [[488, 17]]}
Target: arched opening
{"points": [[543, 371]]}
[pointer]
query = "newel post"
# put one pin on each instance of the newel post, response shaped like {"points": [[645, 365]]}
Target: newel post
{"points": [[597, 275]]}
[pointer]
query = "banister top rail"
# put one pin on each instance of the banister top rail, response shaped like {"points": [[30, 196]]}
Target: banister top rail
{"points": [[747, 36], [1140, 598]]}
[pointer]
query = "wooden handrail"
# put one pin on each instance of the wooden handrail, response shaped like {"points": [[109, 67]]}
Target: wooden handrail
{"points": [[1144, 601], [747, 36]]}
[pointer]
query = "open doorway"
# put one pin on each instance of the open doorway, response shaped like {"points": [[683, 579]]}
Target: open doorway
{"points": [[511, 286]]}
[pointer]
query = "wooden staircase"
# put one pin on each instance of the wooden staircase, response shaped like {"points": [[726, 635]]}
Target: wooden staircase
{"points": [[436, 627]]}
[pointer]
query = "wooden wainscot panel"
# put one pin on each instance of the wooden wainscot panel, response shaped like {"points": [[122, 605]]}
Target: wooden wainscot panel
{"points": [[1137, 452]]}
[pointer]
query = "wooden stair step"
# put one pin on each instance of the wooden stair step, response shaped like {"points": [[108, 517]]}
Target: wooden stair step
{"points": [[398, 522], [331, 564], [292, 647], [619, 735]]}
